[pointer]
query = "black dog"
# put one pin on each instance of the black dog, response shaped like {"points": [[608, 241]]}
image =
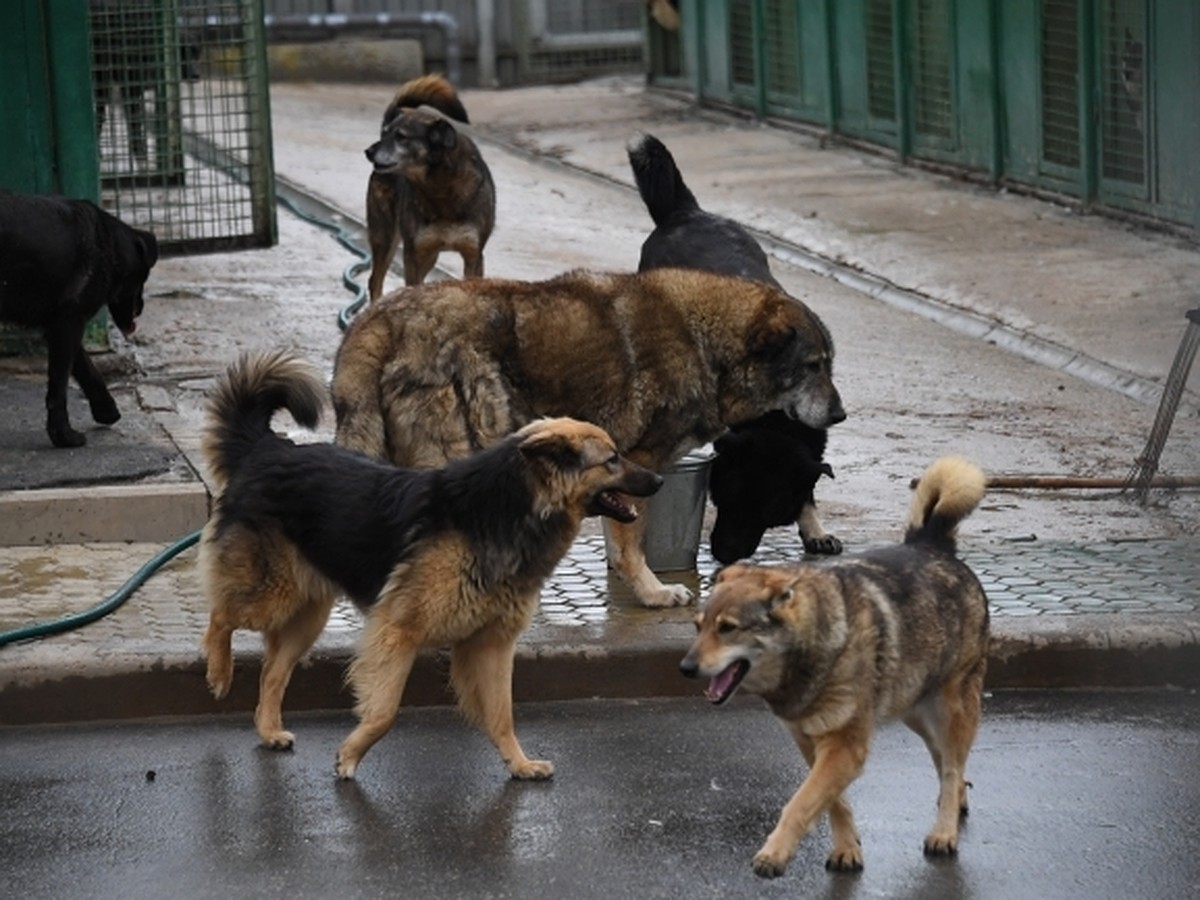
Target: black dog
{"points": [[61, 260], [765, 469], [762, 477]]}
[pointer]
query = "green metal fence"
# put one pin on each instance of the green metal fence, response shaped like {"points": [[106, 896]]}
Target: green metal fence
{"points": [[1094, 99], [183, 120]]}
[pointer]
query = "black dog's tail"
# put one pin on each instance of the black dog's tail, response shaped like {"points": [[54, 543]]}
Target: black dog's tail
{"points": [[946, 494], [658, 178], [428, 90], [241, 407]]}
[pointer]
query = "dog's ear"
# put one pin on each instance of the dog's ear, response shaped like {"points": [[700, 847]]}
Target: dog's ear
{"points": [[551, 446], [729, 442], [730, 571], [781, 600], [442, 134], [771, 333], [147, 246]]}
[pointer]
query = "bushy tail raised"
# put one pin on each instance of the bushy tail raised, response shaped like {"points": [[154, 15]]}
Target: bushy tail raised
{"points": [[946, 494], [241, 407], [658, 178], [428, 90]]}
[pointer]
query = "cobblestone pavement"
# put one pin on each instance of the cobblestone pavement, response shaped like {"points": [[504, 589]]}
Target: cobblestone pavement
{"points": [[1021, 578]]}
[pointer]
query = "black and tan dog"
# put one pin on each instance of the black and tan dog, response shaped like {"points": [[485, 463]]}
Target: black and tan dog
{"points": [[901, 631], [664, 361], [451, 556], [61, 261], [430, 188], [766, 469]]}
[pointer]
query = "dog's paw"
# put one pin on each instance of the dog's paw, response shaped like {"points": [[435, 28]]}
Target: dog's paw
{"points": [[825, 545], [105, 411], [219, 684], [666, 596], [344, 766], [845, 859], [941, 844], [65, 436], [533, 770], [278, 740], [769, 865]]}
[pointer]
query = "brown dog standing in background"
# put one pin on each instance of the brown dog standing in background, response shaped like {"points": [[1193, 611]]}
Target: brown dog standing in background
{"points": [[430, 189]]}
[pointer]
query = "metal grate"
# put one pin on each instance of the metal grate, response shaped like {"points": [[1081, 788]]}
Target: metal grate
{"points": [[933, 108], [567, 39], [781, 44], [881, 60], [1060, 82], [1123, 91], [590, 16], [182, 120], [741, 43]]}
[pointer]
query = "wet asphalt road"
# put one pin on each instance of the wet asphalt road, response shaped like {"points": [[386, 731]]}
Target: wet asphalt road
{"points": [[1077, 795]]}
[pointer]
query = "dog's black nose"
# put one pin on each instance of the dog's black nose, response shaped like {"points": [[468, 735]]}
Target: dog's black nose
{"points": [[688, 667], [370, 152]]}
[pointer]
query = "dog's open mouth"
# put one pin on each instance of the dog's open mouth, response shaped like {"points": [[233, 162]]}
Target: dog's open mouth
{"points": [[721, 686], [613, 505]]}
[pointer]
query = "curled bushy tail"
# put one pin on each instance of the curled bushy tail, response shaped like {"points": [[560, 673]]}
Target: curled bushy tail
{"points": [[428, 90], [946, 494], [658, 179], [241, 407]]}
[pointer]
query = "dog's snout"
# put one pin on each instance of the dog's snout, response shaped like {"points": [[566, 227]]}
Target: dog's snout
{"points": [[371, 151], [837, 413], [688, 667]]}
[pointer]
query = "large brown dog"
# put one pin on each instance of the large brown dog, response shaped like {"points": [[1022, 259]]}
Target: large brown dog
{"points": [[440, 556], [664, 361], [896, 632], [430, 189]]}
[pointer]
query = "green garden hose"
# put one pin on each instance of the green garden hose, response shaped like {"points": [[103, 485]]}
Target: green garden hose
{"points": [[78, 620]]}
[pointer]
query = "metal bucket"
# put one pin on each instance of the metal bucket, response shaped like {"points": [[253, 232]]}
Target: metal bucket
{"points": [[675, 515]]}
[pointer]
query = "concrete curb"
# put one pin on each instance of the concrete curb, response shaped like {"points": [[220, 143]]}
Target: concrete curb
{"points": [[102, 514], [559, 663]]}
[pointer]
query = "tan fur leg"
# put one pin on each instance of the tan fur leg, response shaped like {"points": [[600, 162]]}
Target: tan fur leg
{"points": [[481, 669], [383, 251], [284, 648], [378, 675], [472, 263], [382, 232], [816, 539], [629, 559], [219, 651], [846, 855], [417, 265], [837, 760], [948, 724]]}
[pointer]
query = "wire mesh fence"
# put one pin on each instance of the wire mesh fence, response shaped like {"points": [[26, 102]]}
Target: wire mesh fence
{"points": [[567, 39], [182, 119], [1123, 89]]}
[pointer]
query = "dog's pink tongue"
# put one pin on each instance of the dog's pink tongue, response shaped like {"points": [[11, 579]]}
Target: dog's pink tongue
{"points": [[720, 685]]}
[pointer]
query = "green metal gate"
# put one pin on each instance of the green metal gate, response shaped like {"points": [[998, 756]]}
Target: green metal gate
{"points": [[183, 120], [1096, 99]]}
